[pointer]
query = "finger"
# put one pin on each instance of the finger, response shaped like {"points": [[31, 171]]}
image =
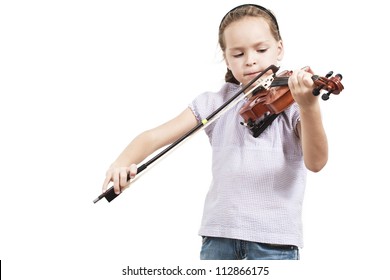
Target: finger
{"points": [[292, 81], [115, 179], [105, 184], [133, 171], [300, 77], [308, 69], [307, 80], [123, 178]]}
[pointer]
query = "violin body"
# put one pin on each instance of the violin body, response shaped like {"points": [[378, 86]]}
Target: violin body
{"points": [[272, 101]]}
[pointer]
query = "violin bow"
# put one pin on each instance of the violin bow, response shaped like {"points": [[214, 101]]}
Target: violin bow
{"points": [[110, 194]]}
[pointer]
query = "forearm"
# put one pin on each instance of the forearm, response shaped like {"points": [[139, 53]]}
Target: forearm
{"points": [[313, 137], [137, 150]]}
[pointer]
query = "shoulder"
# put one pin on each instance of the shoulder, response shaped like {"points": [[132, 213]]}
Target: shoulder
{"points": [[209, 101], [225, 92]]}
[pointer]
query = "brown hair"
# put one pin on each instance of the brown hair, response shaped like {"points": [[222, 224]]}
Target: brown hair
{"points": [[239, 12]]}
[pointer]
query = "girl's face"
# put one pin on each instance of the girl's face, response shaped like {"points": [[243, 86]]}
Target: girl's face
{"points": [[250, 48]]}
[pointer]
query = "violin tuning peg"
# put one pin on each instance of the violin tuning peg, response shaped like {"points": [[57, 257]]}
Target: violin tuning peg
{"points": [[330, 73], [325, 96], [316, 91]]}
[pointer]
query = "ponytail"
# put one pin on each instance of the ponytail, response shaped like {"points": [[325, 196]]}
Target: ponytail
{"points": [[229, 78]]}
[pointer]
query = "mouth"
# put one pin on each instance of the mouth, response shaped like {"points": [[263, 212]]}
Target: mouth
{"points": [[252, 74]]}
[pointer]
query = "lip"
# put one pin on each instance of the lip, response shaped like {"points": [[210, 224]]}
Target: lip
{"points": [[252, 73]]}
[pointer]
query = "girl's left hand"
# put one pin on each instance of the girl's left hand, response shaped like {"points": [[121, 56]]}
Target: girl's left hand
{"points": [[301, 87]]}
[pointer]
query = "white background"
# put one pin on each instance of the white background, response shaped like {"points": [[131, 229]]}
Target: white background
{"points": [[80, 79]]}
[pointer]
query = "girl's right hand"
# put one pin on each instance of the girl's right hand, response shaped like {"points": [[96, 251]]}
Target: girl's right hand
{"points": [[118, 175]]}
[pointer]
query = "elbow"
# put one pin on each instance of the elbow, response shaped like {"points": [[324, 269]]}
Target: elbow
{"points": [[316, 166], [315, 169]]}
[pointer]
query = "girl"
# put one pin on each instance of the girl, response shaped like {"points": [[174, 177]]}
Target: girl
{"points": [[254, 204]]}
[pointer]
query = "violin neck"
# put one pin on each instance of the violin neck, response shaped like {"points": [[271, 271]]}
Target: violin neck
{"points": [[280, 81]]}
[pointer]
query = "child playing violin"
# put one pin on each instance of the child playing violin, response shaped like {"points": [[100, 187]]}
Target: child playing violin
{"points": [[254, 205]]}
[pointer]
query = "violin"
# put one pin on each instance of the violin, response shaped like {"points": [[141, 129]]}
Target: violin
{"points": [[266, 104], [270, 97]]}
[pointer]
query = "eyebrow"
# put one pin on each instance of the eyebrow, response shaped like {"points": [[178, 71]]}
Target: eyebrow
{"points": [[256, 45]]}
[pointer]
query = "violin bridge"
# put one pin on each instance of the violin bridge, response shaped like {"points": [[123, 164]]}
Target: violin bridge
{"points": [[266, 84], [263, 84]]}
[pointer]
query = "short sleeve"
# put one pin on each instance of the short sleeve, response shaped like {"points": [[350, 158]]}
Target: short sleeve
{"points": [[208, 102]]}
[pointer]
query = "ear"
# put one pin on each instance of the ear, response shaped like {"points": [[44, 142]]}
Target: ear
{"points": [[280, 50], [227, 63]]}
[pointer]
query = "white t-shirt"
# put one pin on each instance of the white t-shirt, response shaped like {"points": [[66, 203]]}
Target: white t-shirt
{"points": [[258, 184]]}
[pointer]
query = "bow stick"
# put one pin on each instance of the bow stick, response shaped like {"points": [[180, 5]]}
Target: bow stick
{"points": [[110, 194]]}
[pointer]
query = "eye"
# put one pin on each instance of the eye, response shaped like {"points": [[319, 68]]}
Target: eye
{"points": [[262, 50], [237, 55]]}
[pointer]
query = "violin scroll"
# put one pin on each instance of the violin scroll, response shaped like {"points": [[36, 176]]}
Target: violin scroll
{"points": [[330, 84]]}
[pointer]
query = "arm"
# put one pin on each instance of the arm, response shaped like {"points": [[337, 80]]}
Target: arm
{"points": [[310, 128], [144, 145]]}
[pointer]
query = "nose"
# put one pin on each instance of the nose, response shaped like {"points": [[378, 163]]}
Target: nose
{"points": [[250, 59]]}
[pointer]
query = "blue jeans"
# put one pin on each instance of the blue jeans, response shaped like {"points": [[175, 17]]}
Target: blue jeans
{"points": [[216, 248]]}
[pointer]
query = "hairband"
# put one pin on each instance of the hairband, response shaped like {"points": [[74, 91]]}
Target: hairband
{"points": [[257, 6]]}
